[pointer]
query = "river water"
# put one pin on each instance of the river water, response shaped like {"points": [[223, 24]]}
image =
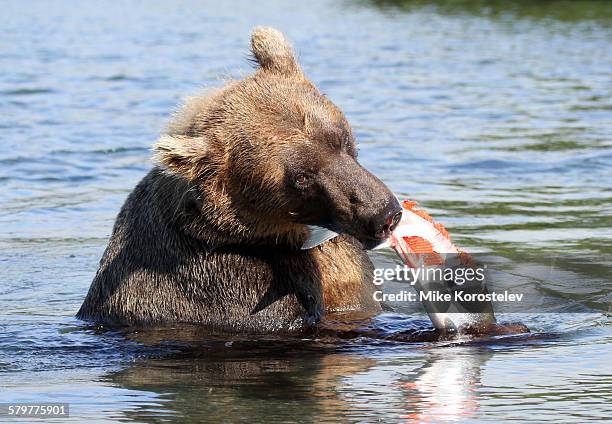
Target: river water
{"points": [[495, 116]]}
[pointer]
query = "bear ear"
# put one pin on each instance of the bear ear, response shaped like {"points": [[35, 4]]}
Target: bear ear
{"points": [[182, 154], [273, 52]]}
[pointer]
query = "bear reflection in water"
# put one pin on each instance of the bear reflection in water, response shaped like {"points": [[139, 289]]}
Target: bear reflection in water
{"points": [[207, 377]]}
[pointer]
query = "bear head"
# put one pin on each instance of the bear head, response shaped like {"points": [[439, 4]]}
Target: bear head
{"points": [[270, 154]]}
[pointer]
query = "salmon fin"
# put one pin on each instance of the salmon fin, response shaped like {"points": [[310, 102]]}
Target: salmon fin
{"points": [[408, 204], [465, 259], [318, 235], [442, 230]]}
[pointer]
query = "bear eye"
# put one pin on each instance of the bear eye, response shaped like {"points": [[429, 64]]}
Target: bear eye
{"points": [[302, 180]]}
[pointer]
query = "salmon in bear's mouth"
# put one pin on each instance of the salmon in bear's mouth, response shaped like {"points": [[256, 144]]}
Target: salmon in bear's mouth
{"points": [[419, 241]]}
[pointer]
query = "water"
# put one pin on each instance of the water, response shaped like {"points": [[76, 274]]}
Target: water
{"points": [[496, 116]]}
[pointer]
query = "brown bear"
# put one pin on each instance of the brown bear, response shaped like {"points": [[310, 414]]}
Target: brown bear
{"points": [[213, 233]]}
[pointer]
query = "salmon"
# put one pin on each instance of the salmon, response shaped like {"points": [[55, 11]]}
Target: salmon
{"points": [[420, 242]]}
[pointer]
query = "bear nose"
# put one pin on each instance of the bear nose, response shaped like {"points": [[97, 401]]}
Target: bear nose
{"points": [[389, 220]]}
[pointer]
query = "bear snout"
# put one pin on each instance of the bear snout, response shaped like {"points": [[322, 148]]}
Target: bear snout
{"points": [[360, 204]]}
